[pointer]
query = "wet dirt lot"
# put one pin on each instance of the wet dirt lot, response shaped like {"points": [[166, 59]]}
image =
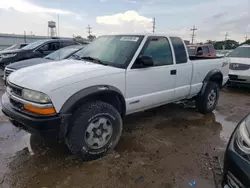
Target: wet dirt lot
{"points": [[165, 147]]}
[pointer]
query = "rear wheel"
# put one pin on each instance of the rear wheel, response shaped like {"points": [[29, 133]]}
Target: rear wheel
{"points": [[206, 102], [94, 130]]}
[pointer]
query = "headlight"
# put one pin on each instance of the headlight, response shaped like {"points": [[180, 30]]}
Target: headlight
{"points": [[243, 136], [35, 96], [8, 55]]}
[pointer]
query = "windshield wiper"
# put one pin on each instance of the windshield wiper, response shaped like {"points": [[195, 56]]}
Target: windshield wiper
{"points": [[96, 60], [49, 58], [76, 56]]}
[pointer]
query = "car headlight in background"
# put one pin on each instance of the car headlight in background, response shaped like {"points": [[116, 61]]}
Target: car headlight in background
{"points": [[35, 96], [243, 136], [7, 55]]}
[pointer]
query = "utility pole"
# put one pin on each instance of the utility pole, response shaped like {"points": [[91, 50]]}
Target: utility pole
{"points": [[58, 24], [226, 36], [193, 35], [89, 30], [153, 25], [246, 38], [225, 43], [24, 36]]}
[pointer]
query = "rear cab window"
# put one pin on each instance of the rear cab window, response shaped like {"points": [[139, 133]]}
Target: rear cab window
{"points": [[179, 50]]}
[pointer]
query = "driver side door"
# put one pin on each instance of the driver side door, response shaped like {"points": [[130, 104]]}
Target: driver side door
{"points": [[152, 86]]}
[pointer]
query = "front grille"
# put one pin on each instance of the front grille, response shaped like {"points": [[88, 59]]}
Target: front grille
{"points": [[238, 66], [13, 89], [235, 77], [16, 104], [7, 72]]}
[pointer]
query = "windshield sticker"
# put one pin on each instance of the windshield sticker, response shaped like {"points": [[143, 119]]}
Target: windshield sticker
{"points": [[133, 39]]}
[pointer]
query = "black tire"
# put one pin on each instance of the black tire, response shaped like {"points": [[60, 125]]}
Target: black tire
{"points": [[76, 138], [202, 100]]}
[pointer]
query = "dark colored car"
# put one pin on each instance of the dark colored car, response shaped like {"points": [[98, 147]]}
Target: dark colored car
{"points": [[237, 157], [58, 55], [16, 46], [40, 48]]}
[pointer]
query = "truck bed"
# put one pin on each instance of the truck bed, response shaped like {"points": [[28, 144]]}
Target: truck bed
{"points": [[193, 58]]}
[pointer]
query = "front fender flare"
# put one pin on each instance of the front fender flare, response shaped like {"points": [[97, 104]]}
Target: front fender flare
{"points": [[93, 90]]}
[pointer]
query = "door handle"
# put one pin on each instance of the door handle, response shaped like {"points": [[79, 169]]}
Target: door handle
{"points": [[173, 72]]}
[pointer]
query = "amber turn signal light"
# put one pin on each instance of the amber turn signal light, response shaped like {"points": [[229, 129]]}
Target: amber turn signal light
{"points": [[42, 111]]}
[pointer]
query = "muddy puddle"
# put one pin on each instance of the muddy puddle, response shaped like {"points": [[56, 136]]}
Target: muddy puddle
{"points": [[163, 147]]}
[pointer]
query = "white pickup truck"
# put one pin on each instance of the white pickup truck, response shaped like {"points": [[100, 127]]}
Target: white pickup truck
{"points": [[83, 99]]}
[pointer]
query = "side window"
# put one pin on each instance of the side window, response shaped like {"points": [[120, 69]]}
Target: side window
{"points": [[44, 47], [179, 50], [53, 46], [67, 43], [205, 50], [160, 51], [199, 51]]}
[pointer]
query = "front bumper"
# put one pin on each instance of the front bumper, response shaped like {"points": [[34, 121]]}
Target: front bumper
{"points": [[239, 76], [236, 173], [45, 126]]}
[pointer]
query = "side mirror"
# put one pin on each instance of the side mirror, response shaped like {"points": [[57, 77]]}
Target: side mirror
{"points": [[199, 53], [145, 61]]}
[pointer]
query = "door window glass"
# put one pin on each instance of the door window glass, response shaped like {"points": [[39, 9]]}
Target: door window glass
{"points": [[160, 51]]}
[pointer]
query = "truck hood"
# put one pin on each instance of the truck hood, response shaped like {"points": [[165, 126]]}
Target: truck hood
{"points": [[239, 60], [52, 75]]}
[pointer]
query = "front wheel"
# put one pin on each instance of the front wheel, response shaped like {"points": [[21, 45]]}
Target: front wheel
{"points": [[95, 129], [206, 102]]}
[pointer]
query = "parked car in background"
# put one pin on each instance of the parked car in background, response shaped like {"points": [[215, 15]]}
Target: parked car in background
{"points": [[40, 48], [237, 157], [60, 54], [204, 50], [82, 99], [223, 53], [239, 69], [16, 46]]}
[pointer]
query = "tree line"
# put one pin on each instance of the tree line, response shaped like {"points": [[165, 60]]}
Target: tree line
{"points": [[226, 44]]}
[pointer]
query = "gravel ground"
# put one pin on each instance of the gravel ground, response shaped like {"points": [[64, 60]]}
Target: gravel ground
{"points": [[164, 147]]}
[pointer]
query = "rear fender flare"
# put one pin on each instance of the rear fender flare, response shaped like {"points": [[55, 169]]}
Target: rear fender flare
{"points": [[208, 77]]}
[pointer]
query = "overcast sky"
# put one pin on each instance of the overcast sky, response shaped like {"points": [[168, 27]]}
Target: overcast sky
{"points": [[213, 18]]}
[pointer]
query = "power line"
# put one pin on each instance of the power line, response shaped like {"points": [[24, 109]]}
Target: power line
{"points": [[193, 35], [89, 30], [153, 25]]}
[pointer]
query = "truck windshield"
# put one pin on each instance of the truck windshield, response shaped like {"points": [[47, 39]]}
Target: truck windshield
{"points": [[240, 52], [113, 50], [191, 50]]}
